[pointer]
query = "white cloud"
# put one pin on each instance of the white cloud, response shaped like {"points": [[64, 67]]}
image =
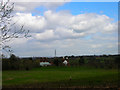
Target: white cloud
{"points": [[65, 0], [20, 8], [33, 23], [62, 25], [40, 1], [47, 35], [29, 6], [17, 42], [110, 27], [96, 46]]}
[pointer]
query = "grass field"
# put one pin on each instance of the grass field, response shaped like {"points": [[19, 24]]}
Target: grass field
{"points": [[61, 77]]}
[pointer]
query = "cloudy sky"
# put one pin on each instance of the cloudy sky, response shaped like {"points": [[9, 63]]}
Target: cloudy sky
{"points": [[72, 28]]}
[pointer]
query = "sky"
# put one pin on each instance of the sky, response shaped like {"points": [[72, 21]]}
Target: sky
{"points": [[72, 28]]}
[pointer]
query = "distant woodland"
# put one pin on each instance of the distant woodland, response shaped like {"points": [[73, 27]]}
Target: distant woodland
{"points": [[102, 61]]}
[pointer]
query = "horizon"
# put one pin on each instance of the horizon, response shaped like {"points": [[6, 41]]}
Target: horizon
{"points": [[65, 56]]}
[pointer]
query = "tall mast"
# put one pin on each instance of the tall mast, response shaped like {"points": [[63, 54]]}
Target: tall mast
{"points": [[55, 52]]}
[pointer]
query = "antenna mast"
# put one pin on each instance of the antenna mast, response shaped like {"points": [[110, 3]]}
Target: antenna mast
{"points": [[55, 52]]}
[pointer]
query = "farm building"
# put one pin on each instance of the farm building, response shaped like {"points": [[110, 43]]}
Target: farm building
{"points": [[45, 64], [65, 62]]}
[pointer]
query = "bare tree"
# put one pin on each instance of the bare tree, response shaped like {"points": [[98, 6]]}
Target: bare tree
{"points": [[7, 32]]}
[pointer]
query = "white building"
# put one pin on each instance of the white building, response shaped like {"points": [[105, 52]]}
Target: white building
{"points": [[65, 62], [45, 64]]}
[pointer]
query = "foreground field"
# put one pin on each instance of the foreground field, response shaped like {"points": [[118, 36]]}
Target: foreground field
{"points": [[61, 77]]}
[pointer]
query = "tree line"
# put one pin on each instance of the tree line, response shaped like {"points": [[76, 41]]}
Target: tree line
{"points": [[16, 63]]}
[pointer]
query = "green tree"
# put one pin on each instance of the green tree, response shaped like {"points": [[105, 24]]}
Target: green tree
{"points": [[56, 62], [81, 60], [14, 61]]}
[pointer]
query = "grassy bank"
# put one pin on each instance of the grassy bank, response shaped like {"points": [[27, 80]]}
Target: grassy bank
{"points": [[60, 77]]}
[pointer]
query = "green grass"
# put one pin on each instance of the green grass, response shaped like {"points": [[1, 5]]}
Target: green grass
{"points": [[60, 76]]}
